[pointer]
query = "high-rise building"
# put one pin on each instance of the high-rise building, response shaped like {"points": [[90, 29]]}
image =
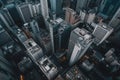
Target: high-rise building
{"points": [[82, 14], [25, 11], [68, 14], [82, 4], [109, 7], [36, 9], [71, 16], [44, 8], [56, 6], [45, 12], [90, 17], [80, 41], [101, 33], [115, 21]]}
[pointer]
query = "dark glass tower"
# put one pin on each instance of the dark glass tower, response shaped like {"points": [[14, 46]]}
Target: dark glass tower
{"points": [[109, 7]]}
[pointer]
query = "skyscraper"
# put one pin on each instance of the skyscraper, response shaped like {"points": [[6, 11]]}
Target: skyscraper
{"points": [[44, 8], [71, 16], [109, 7], [56, 6], [115, 21], [45, 12], [80, 41], [82, 4]]}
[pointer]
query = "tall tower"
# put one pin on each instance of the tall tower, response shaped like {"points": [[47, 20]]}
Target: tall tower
{"points": [[115, 21], [109, 7], [44, 8], [102, 5], [68, 14], [56, 6], [71, 16], [45, 12], [82, 4], [80, 41]]}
